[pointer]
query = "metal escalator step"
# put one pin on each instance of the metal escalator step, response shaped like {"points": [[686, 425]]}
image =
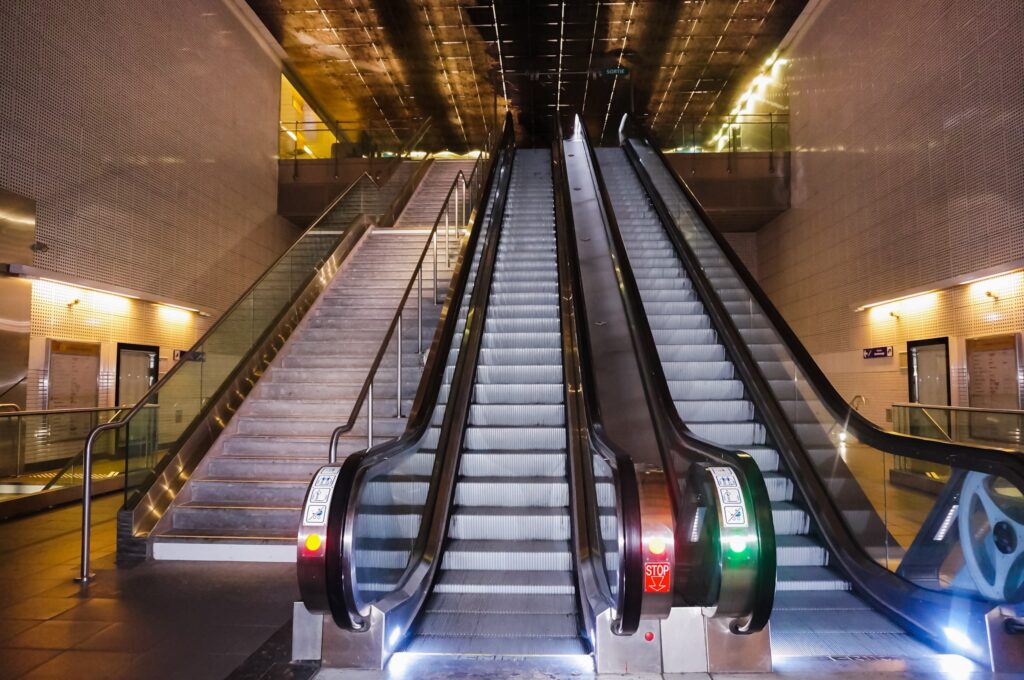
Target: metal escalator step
{"points": [[815, 600], [509, 524], [537, 356], [698, 370], [377, 580], [396, 490], [517, 415], [707, 410], [546, 340], [767, 459], [515, 582], [473, 603], [669, 322], [489, 555], [527, 374], [388, 521], [681, 352], [780, 487], [513, 394], [800, 551], [705, 389], [497, 646], [886, 645], [809, 578], [419, 463], [513, 464], [550, 492], [685, 336], [515, 438], [534, 626], [383, 553], [730, 434], [790, 518]]}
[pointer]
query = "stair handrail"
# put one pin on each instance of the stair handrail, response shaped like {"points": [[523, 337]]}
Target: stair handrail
{"points": [[922, 610], [743, 594], [326, 576], [366, 391], [84, 576]]}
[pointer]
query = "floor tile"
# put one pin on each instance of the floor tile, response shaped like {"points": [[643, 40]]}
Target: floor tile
{"points": [[17, 662], [55, 635]]}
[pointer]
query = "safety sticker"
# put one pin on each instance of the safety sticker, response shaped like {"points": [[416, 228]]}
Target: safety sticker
{"points": [[735, 515], [316, 514], [657, 577], [734, 512], [320, 496], [326, 477]]}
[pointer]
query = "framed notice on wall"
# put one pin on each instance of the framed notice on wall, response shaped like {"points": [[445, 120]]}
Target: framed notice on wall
{"points": [[74, 374], [993, 376], [993, 367]]}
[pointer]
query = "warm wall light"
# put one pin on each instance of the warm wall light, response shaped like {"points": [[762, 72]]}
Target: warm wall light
{"points": [[172, 314], [896, 309], [997, 287]]}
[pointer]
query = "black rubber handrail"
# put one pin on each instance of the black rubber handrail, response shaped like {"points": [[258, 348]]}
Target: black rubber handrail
{"points": [[679, 444], [1006, 463], [342, 594], [586, 438], [921, 610], [371, 374]]}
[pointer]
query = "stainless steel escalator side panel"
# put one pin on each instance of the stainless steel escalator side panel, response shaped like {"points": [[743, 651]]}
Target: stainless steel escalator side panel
{"points": [[621, 401], [925, 612], [737, 584]]}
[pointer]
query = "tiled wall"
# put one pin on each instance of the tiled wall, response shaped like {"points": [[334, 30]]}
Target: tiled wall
{"points": [[908, 168], [147, 134]]}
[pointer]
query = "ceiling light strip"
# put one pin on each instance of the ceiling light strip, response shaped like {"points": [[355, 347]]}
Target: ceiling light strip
{"points": [[615, 81], [447, 80]]}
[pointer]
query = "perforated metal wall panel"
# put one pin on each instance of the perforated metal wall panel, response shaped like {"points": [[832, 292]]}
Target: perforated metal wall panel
{"points": [[146, 132], [908, 168]]}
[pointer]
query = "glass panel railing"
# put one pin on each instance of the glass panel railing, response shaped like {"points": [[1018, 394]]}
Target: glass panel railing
{"points": [[897, 524], [1002, 428], [41, 450], [147, 434]]}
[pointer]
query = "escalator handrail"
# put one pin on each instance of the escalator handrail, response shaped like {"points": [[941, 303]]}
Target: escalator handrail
{"points": [[992, 460], [341, 598], [676, 438], [416, 582], [586, 437], [922, 610], [371, 374]]}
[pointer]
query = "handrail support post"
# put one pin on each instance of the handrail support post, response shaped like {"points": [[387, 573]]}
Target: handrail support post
{"points": [[398, 373], [419, 311]]}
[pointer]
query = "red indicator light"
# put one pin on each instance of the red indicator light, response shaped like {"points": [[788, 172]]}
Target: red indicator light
{"points": [[313, 542], [656, 546], [648, 636]]}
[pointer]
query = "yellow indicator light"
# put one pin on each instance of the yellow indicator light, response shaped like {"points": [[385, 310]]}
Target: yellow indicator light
{"points": [[656, 546], [313, 542]]}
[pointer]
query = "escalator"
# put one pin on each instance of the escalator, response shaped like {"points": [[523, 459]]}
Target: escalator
{"points": [[503, 522], [505, 585], [847, 587]]}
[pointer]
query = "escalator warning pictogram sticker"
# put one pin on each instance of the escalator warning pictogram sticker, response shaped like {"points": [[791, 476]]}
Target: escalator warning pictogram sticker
{"points": [[657, 577]]}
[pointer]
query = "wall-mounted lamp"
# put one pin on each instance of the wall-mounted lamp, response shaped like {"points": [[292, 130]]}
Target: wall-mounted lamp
{"points": [[894, 314], [74, 302], [994, 296]]}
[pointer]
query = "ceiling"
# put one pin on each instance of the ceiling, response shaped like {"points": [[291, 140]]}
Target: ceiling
{"points": [[383, 66]]}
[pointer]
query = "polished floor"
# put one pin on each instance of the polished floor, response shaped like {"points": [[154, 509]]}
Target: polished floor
{"points": [[155, 620]]}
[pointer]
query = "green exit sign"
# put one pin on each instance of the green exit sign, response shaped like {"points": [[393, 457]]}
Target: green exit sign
{"points": [[616, 71]]}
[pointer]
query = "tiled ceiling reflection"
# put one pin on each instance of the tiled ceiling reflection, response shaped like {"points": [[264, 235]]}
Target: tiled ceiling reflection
{"points": [[383, 66]]}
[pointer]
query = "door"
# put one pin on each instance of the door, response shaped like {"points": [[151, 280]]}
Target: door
{"points": [[928, 373], [137, 371]]}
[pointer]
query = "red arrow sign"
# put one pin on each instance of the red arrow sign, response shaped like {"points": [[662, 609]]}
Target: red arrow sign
{"points": [[657, 577]]}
